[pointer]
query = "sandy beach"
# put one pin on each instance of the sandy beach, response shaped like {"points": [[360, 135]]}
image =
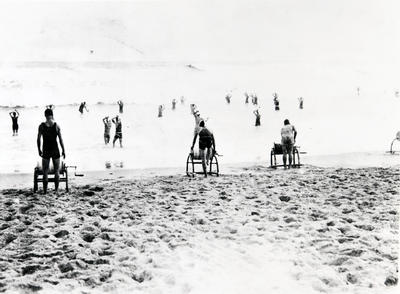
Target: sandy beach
{"points": [[317, 230]]}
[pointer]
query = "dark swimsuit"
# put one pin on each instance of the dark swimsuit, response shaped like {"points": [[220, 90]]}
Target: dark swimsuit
{"points": [[205, 139], [118, 131], [14, 123], [50, 145]]}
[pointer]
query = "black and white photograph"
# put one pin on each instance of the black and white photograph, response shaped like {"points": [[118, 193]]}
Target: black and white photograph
{"points": [[199, 146]]}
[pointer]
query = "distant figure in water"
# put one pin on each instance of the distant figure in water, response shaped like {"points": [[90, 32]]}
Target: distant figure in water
{"points": [[50, 131], [82, 107], [397, 94], [118, 130], [288, 133], [50, 106], [255, 99], [258, 117], [107, 128], [246, 101], [228, 98], [276, 101], [358, 91], [14, 118], [206, 141], [301, 101], [173, 104], [121, 106], [160, 110], [182, 100]]}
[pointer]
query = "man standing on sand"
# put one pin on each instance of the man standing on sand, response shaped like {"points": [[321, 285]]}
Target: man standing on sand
{"points": [[107, 128], [289, 134], [50, 130], [14, 117], [206, 141], [118, 130]]}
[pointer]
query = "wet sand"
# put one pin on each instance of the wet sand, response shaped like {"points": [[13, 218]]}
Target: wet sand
{"points": [[309, 230]]}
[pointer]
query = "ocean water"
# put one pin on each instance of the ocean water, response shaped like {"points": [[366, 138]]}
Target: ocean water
{"points": [[335, 119]]}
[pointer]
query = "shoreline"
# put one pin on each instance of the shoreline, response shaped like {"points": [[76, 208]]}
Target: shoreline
{"points": [[355, 160]]}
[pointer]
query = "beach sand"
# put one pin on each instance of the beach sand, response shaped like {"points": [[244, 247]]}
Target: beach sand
{"points": [[308, 230]]}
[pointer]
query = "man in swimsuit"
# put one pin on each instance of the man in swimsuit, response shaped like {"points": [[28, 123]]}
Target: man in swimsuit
{"points": [[107, 128], [118, 130], [50, 130], [289, 134], [82, 107], [246, 101], [228, 98], [14, 117], [160, 110], [121, 106], [301, 102], [206, 141], [258, 117], [276, 101], [173, 104]]}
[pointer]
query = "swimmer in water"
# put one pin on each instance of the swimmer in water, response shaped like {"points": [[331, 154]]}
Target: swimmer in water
{"points": [[228, 98], [255, 101], [276, 101], [107, 128], [50, 131], [258, 117], [182, 100], [246, 101], [14, 118], [82, 107], [301, 101], [121, 106], [118, 130], [173, 104], [160, 110]]}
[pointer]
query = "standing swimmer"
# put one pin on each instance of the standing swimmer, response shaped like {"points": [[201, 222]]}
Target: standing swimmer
{"points": [[82, 107], [173, 104], [14, 117], [107, 128], [288, 134], [276, 101], [228, 98], [258, 117], [118, 130], [160, 110], [246, 101], [50, 131], [206, 141], [255, 101], [121, 106], [301, 101]]}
